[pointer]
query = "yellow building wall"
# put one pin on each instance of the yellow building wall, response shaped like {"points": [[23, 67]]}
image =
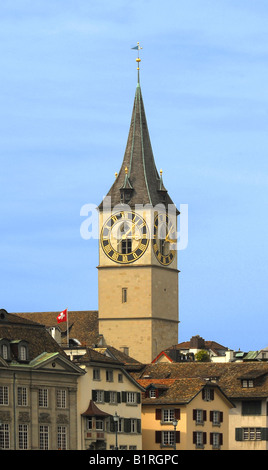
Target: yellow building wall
{"points": [[186, 424]]}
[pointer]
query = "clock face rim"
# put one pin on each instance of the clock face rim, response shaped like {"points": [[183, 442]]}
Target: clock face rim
{"points": [[134, 255], [164, 260]]}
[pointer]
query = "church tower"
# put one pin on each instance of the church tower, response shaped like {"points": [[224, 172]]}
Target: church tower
{"points": [[137, 272]]}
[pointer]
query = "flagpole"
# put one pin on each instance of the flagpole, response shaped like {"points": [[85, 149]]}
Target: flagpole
{"points": [[67, 329]]}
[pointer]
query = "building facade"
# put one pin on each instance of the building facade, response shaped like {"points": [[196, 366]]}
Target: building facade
{"points": [[38, 388], [184, 414], [108, 406]]}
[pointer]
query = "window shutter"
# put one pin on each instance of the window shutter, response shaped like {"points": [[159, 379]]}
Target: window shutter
{"points": [[194, 415], [178, 413], [211, 416], [94, 395], [118, 397], [112, 425], [194, 437], [124, 397], [204, 415], [211, 438], [238, 434], [127, 425], [204, 437], [264, 434], [221, 439], [211, 394], [177, 437], [106, 396], [158, 414], [203, 394], [158, 437], [138, 426], [138, 397], [221, 417]]}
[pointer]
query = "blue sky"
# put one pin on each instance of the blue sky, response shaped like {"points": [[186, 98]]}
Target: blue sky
{"points": [[68, 78]]}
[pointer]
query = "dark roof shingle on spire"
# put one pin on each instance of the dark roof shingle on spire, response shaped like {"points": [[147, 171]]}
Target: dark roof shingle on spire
{"points": [[138, 174]]}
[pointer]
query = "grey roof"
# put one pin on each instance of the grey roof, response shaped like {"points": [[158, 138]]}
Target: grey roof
{"points": [[138, 174]]}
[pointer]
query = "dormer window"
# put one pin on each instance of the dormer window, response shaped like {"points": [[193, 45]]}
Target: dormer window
{"points": [[23, 353], [5, 349], [247, 383]]}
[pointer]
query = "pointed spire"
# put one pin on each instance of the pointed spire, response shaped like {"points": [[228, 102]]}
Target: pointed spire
{"points": [[140, 183]]}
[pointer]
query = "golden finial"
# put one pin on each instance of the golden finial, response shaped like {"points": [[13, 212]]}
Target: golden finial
{"points": [[161, 172], [116, 174], [126, 170], [138, 48]]}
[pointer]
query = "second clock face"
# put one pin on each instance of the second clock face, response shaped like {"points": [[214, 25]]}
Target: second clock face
{"points": [[124, 237], [164, 239]]}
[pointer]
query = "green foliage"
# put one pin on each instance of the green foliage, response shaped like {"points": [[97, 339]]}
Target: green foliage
{"points": [[202, 356]]}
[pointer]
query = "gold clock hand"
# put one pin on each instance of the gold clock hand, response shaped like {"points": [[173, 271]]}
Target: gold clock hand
{"points": [[130, 230], [168, 233]]}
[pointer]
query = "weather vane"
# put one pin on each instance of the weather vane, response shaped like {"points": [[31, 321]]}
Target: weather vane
{"points": [[138, 48]]}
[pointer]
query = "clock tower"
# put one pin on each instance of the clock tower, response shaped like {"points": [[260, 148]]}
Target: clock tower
{"points": [[137, 272]]}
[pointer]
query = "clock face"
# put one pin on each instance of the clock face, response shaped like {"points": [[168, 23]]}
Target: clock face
{"points": [[164, 239], [124, 237]]}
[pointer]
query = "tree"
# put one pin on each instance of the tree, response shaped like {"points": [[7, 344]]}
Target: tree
{"points": [[202, 356]]}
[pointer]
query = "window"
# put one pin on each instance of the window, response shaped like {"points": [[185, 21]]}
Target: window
{"points": [[120, 378], [216, 440], [124, 295], [133, 425], [61, 398], [199, 416], [216, 417], [152, 393], [208, 394], [62, 438], [43, 437], [23, 436], [96, 374], [251, 434], [168, 415], [131, 397], [199, 439], [89, 423], [247, 384], [126, 246], [113, 397], [4, 436], [23, 353], [168, 438], [109, 376], [4, 398], [5, 351], [43, 397], [99, 396], [99, 424], [22, 396]]}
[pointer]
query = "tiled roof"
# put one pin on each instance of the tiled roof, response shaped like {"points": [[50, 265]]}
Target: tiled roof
{"points": [[83, 325], [39, 340], [180, 391], [226, 375]]}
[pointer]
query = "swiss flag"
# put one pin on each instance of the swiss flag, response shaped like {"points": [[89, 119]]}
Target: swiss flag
{"points": [[62, 316]]}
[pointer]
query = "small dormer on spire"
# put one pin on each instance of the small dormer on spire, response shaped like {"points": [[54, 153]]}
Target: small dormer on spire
{"points": [[127, 189], [162, 190]]}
